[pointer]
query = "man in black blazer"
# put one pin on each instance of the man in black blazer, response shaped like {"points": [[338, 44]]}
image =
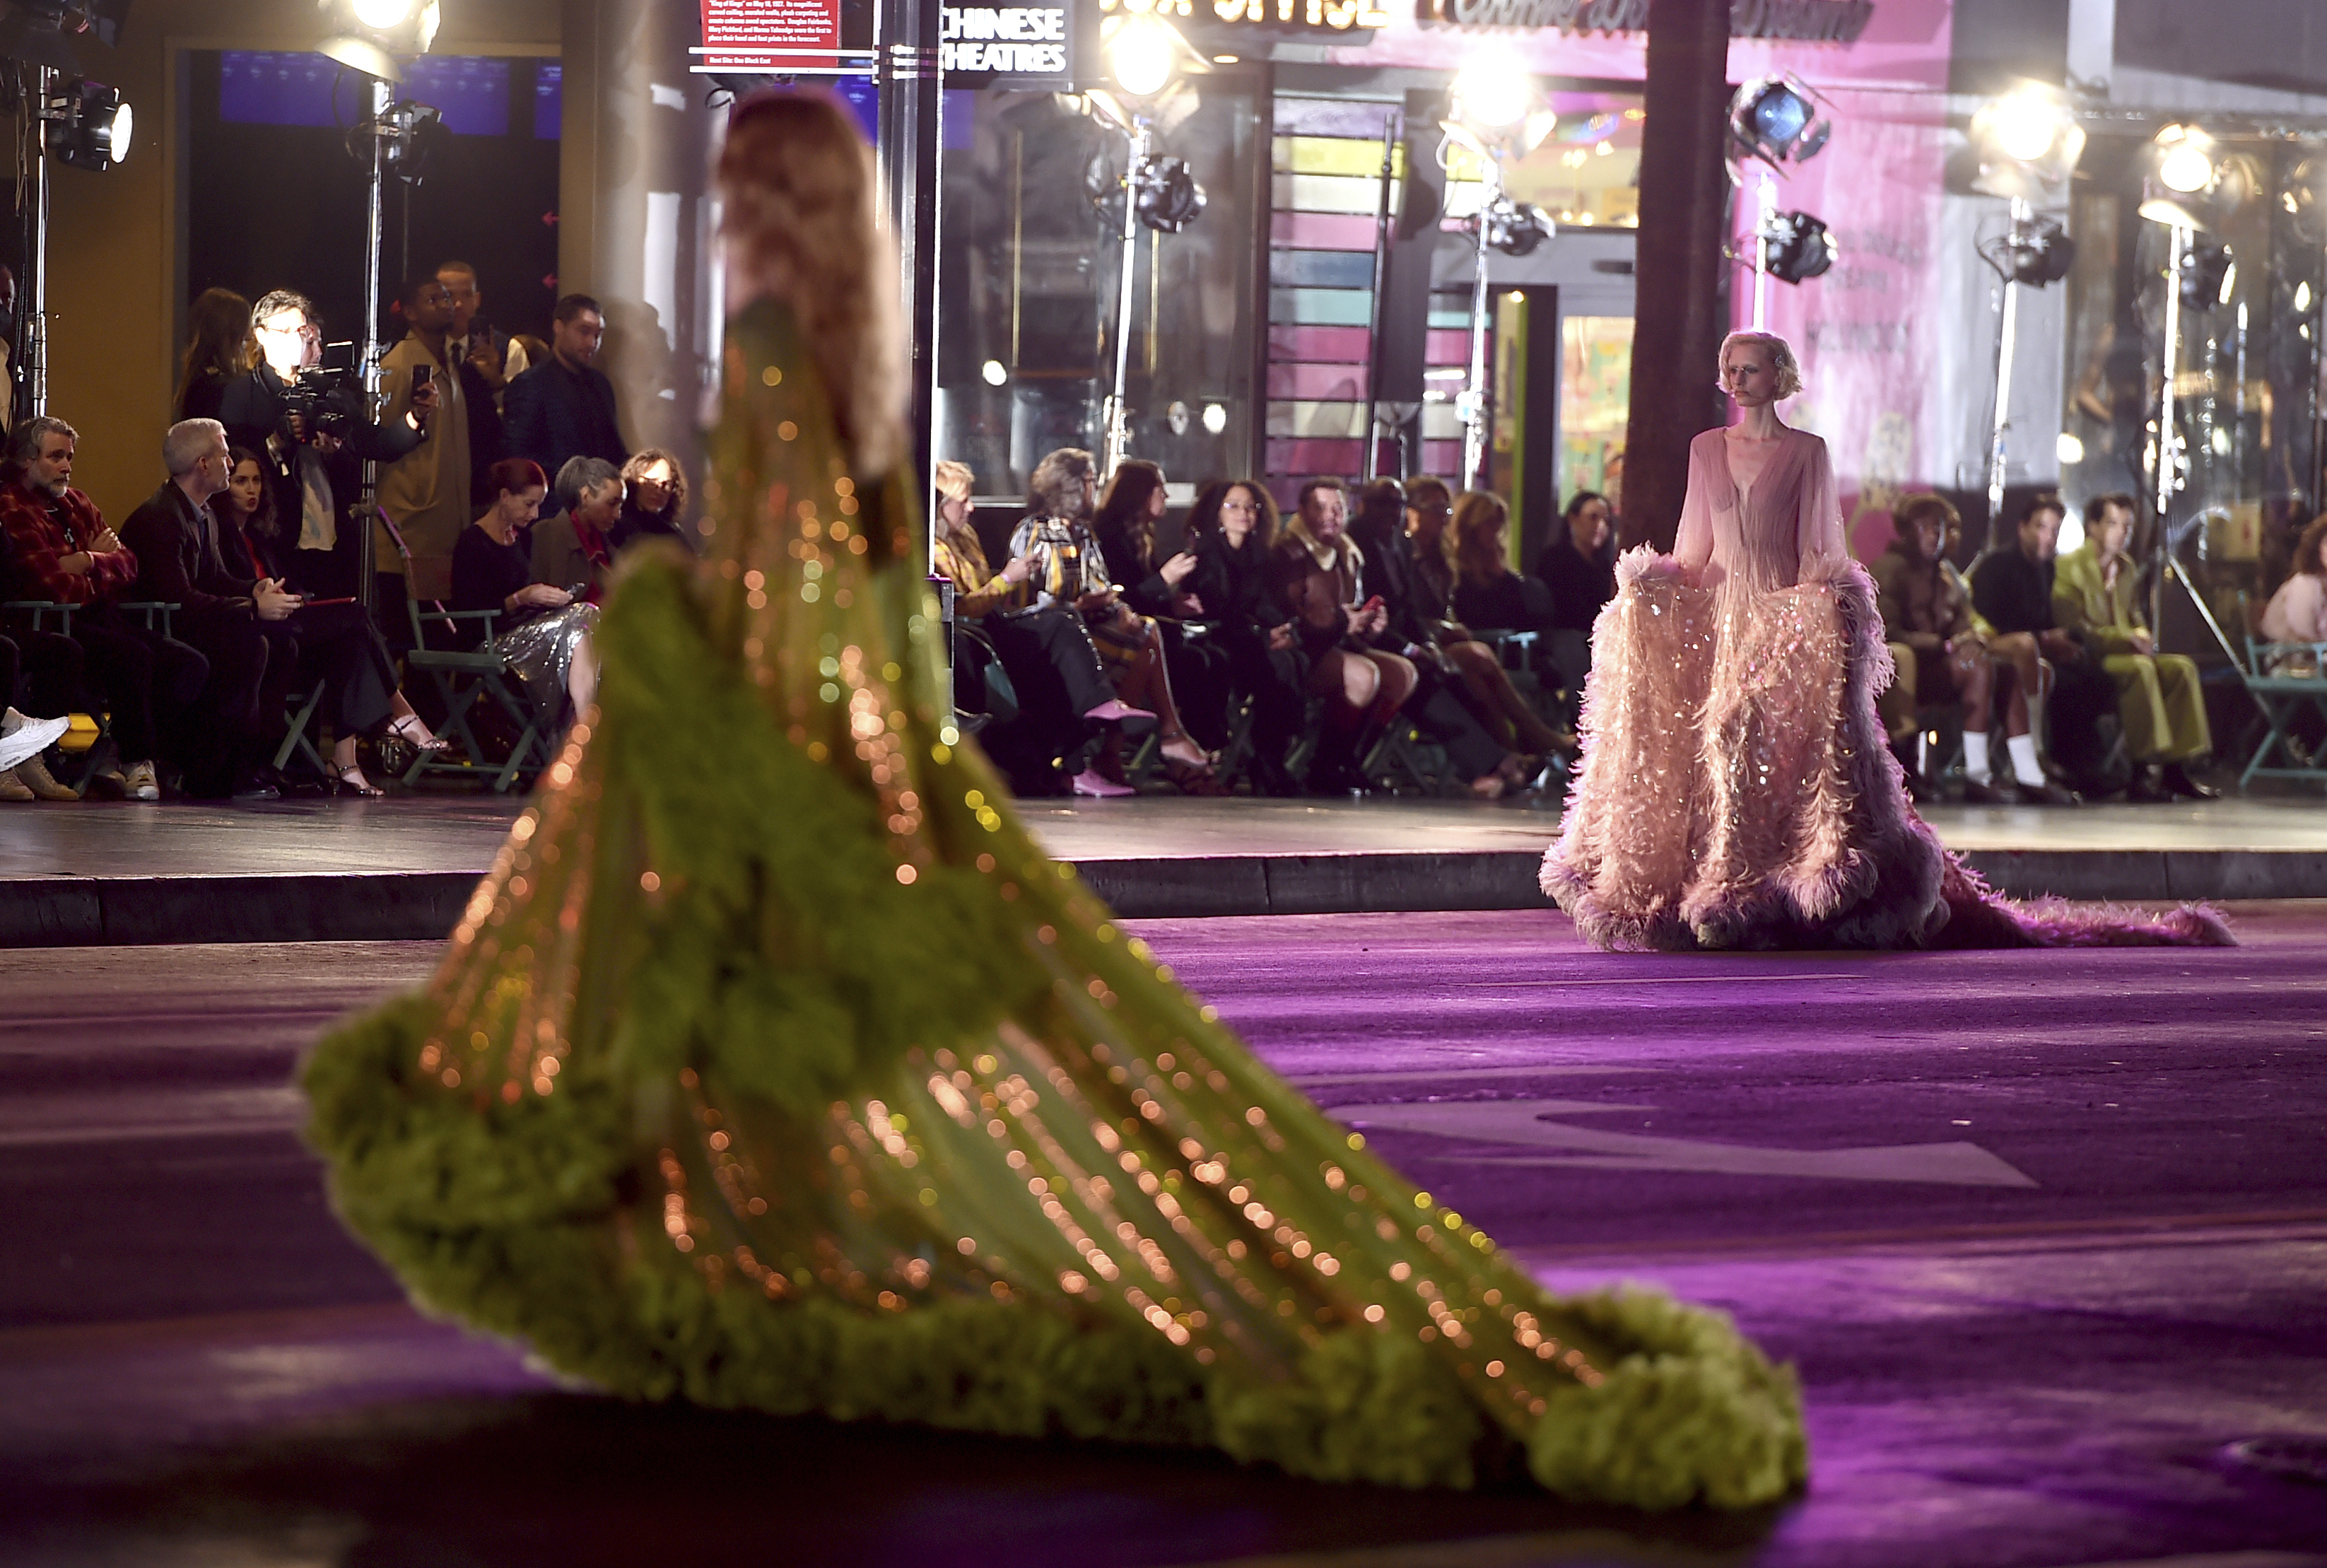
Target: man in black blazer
{"points": [[487, 361], [241, 625], [565, 409]]}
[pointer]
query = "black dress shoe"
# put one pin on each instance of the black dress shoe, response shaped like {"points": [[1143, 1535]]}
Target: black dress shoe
{"points": [[2049, 794], [1976, 793], [2148, 788], [2177, 780]]}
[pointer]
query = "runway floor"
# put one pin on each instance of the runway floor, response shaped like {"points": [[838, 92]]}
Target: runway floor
{"points": [[2045, 1234]]}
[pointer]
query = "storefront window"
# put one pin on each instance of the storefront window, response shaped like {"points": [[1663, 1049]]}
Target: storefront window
{"points": [[1595, 396], [1027, 296]]}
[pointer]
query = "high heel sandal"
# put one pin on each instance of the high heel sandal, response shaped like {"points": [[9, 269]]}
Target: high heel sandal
{"points": [[350, 781], [409, 729]]}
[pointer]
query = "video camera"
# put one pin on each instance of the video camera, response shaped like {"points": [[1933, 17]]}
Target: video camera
{"points": [[328, 396]]}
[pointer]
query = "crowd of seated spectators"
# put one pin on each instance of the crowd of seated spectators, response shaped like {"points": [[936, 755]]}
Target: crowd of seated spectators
{"points": [[1305, 647], [225, 611]]}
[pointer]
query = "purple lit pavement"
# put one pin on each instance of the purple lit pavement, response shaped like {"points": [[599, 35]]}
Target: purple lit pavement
{"points": [[2046, 1235]]}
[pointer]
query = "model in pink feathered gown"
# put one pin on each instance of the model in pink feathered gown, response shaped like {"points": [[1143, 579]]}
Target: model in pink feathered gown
{"points": [[1736, 790]]}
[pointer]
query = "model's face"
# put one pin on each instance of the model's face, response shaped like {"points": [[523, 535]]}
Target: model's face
{"points": [[463, 288], [1327, 513], [290, 344], [244, 486], [1588, 528], [652, 489], [1749, 374], [1240, 515], [52, 470], [577, 341], [2040, 533]]}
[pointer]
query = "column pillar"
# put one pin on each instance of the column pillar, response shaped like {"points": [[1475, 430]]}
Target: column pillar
{"points": [[1679, 321], [636, 218]]}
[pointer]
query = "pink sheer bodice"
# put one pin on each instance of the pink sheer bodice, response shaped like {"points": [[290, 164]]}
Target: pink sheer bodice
{"points": [[1766, 513]]}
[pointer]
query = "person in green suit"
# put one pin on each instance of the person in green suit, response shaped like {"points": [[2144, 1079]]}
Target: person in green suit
{"points": [[2158, 698]]}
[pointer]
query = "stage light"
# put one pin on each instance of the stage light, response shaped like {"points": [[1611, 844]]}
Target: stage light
{"points": [[993, 374], [1516, 227], [2028, 141], [2040, 252], [1800, 247], [2068, 449], [1141, 53], [1168, 197], [1775, 120], [2186, 164], [1216, 417], [32, 30], [92, 127], [1493, 92], [2190, 183], [377, 32]]}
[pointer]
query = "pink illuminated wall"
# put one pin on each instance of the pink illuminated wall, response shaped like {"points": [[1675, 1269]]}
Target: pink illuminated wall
{"points": [[1870, 333]]}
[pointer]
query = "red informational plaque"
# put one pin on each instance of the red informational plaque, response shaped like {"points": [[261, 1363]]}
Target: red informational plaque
{"points": [[771, 35]]}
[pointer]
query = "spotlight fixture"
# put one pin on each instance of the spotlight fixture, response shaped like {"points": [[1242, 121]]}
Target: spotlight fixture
{"points": [[2209, 275], [2038, 252], [376, 33], [32, 30], [1775, 120], [89, 125], [2028, 141], [1515, 228], [2189, 185], [1142, 53], [1799, 247], [1494, 92], [2304, 200], [1166, 195]]}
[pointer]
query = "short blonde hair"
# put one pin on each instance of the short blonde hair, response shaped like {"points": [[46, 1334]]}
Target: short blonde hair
{"points": [[1782, 359], [953, 480]]}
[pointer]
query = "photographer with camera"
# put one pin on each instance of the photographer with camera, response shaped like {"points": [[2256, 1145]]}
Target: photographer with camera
{"points": [[307, 419]]}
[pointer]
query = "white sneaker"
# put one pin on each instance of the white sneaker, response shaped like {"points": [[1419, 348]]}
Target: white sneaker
{"points": [[21, 737], [139, 783]]}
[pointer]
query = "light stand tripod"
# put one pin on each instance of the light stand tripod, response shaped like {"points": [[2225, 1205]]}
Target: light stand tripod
{"points": [[1475, 406], [1138, 135]]}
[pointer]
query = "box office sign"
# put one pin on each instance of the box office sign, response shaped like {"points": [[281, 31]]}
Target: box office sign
{"points": [[1017, 45], [1795, 21], [756, 36]]}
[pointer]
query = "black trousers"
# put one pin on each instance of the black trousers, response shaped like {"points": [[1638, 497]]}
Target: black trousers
{"points": [[148, 682], [1050, 660], [1277, 679], [338, 645], [2082, 694], [40, 674]]}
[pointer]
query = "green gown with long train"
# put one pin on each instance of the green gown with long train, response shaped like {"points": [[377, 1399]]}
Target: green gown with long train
{"points": [[773, 1066]]}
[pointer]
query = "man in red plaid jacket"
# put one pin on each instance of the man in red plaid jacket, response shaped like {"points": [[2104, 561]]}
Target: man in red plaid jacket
{"points": [[61, 550]]}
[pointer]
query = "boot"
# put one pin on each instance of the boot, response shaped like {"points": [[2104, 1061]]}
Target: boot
{"points": [[34, 773]]}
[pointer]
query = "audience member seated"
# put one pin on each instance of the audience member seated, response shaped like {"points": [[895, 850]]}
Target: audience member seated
{"points": [[60, 551], [40, 684], [1464, 699], [543, 635], [1488, 594], [1124, 526], [1579, 569], [2159, 701], [1429, 517], [1232, 529], [1941, 656], [2297, 613], [220, 351], [655, 500], [574, 547], [1318, 568], [1070, 570], [2013, 591], [1063, 695], [239, 624], [337, 643]]}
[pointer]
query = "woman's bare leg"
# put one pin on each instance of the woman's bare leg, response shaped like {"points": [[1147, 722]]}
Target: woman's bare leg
{"points": [[1497, 698]]}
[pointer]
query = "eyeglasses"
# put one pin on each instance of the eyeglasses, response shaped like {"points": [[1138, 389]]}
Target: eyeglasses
{"points": [[304, 329]]}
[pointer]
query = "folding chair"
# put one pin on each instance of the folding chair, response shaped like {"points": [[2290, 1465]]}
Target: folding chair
{"points": [[2283, 695], [299, 716], [462, 677]]}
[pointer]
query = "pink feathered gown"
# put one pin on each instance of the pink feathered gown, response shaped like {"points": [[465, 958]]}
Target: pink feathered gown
{"points": [[1735, 789]]}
